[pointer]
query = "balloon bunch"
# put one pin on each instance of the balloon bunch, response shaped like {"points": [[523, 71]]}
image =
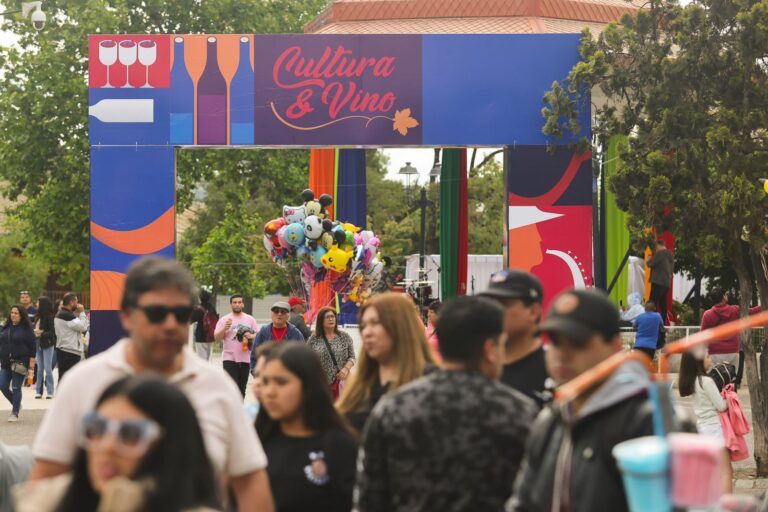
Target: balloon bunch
{"points": [[323, 250]]}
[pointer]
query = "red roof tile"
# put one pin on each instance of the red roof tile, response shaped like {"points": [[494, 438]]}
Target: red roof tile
{"points": [[481, 15], [496, 25]]}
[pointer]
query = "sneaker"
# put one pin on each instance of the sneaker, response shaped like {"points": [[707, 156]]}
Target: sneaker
{"points": [[38, 396], [48, 397], [13, 418]]}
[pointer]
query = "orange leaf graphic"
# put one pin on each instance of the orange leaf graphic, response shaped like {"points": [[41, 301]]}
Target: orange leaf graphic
{"points": [[403, 121]]}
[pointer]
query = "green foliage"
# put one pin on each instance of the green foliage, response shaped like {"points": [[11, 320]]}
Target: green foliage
{"points": [[226, 260], [486, 209], [43, 107], [20, 272]]}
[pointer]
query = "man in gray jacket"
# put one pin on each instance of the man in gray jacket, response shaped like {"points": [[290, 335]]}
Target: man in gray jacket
{"points": [[70, 324], [662, 265]]}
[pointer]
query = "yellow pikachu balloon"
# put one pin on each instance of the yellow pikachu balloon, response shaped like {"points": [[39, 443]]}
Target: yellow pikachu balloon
{"points": [[337, 259]]}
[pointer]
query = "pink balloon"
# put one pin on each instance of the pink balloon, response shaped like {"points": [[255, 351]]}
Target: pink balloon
{"points": [[281, 237]]}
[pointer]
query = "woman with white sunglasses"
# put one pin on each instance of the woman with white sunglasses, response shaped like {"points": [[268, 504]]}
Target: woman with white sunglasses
{"points": [[141, 449]]}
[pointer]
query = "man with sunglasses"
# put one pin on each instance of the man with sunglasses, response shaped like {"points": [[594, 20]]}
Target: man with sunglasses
{"points": [[156, 308], [278, 330], [568, 464], [69, 323]]}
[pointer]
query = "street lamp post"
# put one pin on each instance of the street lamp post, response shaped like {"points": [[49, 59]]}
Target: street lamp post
{"points": [[409, 171]]}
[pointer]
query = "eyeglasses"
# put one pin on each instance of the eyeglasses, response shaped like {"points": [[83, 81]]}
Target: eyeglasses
{"points": [[157, 314], [329, 317], [131, 437], [279, 311]]}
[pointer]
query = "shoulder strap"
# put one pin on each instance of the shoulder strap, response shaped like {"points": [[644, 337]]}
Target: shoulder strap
{"points": [[330, 353]]}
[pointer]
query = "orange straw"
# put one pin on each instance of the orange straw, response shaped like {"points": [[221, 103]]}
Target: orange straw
{"points": [[598, 374], [710, 336], [605, 369]]}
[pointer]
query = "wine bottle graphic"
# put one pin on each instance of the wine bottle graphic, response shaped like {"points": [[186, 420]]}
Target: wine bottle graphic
{"points": [[124, 110], [241, 98], [212, 101], [182, 98]]}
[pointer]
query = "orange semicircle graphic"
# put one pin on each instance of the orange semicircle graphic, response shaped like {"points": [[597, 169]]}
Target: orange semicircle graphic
{"points": [[106, 290], [153, 237]]}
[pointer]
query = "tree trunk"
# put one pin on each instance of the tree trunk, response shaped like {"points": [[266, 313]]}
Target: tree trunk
{"points": [[759, 267], [753, 375]]}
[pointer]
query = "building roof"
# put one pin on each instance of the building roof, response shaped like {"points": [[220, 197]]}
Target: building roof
{"points": [[468, 16]]}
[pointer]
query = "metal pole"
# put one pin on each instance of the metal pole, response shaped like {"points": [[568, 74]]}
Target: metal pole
{"points": [[423, 248]]}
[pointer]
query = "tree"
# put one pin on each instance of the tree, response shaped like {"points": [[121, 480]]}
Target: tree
{"points": [[689, 86], [43, 106]]}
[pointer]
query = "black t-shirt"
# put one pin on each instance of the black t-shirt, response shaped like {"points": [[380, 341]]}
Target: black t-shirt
{"points": [[528, 375], [314, 473]]}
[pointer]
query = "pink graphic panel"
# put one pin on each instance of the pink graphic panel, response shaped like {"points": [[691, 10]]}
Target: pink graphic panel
{"points": [[129, 61]]}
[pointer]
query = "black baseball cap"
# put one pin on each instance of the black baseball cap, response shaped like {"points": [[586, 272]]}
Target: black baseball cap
{"points": [[580, 314], [514, 284]]}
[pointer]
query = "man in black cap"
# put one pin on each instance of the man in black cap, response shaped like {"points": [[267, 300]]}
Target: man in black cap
{"points": [[568, 463], [521, 295]]}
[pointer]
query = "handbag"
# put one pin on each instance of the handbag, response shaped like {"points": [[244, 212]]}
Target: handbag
{"points": [[18, 367], [335, 384]]}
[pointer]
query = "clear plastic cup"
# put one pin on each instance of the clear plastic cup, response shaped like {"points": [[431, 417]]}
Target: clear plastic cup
{"points": [[696, 469], [644, 465]]}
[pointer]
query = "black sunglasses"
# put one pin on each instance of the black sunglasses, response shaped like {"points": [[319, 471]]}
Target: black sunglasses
{"points": [[158, 314]]}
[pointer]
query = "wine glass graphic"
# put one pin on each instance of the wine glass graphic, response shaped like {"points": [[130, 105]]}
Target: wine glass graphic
{"points": [[147, 57], [127, 55], [107, 56]]}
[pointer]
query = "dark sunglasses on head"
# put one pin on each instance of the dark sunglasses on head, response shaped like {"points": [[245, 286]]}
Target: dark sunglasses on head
{"points": [[157, 314]]}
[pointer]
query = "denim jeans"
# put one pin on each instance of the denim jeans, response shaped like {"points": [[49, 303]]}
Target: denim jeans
{"points": [[44, 363], [10, 385]]}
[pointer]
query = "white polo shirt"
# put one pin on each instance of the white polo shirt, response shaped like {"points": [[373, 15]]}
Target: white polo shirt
{"points": [[230, 439]]}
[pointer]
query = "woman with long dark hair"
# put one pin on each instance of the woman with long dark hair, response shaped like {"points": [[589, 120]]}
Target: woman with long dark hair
{"points": [[46, 346], [17, 355], [334, 347], [141, 450], [395, 352], [310, 449], [707, 401]]}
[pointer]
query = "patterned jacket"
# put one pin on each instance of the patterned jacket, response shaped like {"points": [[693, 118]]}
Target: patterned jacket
{"points": [[452, 441]]}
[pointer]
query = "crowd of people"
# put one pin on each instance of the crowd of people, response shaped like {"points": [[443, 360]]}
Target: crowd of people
{"points": [[456, 415]]}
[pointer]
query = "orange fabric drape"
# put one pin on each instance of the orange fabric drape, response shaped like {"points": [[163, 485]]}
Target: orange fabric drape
{"points": [[322, 174]]}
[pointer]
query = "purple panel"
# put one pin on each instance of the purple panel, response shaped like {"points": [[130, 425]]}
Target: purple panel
{"points": [[105, 330], [323, 89]]}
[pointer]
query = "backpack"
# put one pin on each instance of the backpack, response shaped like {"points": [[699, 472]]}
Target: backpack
{"points": [[723, 374], [206, 327]]}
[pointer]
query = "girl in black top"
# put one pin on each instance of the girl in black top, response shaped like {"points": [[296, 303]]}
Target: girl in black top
{"points": [[46, 345], [17, 345], [310, 449]]}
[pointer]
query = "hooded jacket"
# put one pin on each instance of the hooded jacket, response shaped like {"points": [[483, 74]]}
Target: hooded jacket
{"points": [[722, 314], [569, 465], [69, 329]]}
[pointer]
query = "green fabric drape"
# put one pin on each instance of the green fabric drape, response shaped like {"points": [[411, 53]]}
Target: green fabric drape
{"points": [[616, 232], [449, 222]]}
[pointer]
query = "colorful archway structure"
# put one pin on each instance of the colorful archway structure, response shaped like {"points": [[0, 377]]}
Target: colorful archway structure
{"points": [[151, 94]]}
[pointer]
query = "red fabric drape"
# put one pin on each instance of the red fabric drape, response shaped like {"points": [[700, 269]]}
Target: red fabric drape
{"points": [[322, 174], [463, 248], [322, 170]]}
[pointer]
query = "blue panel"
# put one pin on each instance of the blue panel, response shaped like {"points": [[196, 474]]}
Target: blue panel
{"points": [[148, 111], [130, 187], [106, 258], [488, 89]]}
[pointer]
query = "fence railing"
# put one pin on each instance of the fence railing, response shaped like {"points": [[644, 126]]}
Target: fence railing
{"points": [[677, 332]]}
